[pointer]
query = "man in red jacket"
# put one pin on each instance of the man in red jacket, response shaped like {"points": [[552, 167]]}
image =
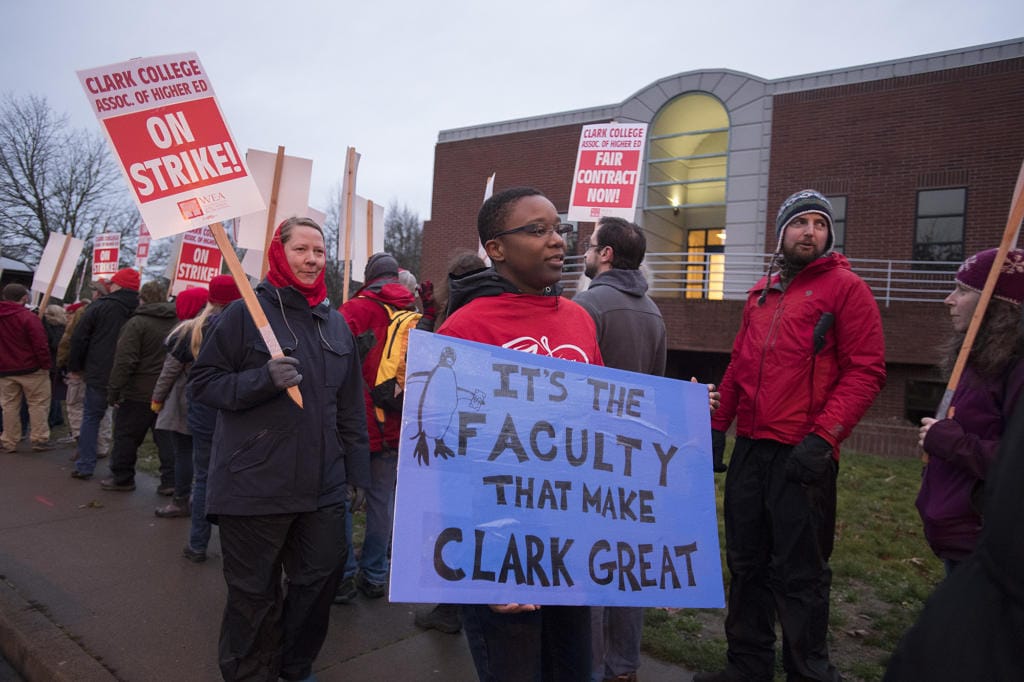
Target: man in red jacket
{"points": [[24, 370], [367, 316], [807, 363]]}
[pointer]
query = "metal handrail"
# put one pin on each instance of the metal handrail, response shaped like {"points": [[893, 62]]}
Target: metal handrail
{"points": [[690, 275]]}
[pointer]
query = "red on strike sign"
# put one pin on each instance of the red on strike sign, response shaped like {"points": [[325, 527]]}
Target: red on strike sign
{"points": [[106, 251], [167, 130], [199, 260], [173, 149]]}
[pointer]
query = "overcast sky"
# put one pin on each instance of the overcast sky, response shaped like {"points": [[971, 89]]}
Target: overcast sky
{"points": [[385, 77]]}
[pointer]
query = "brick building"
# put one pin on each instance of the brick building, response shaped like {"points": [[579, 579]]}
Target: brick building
{"points": [[918, 155]]}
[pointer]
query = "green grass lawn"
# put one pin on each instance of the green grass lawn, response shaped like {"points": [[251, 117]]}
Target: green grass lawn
{"points": [[882, 572]]}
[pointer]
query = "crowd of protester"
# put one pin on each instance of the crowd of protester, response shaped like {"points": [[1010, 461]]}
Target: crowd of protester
{"points": [[280, 446]]}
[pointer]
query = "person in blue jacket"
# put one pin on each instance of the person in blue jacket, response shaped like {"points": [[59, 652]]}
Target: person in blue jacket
{"points": [[280, 474]]}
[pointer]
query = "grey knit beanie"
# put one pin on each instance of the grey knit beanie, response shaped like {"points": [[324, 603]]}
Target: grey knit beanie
{"points": [[804, 201], [380, 265]]}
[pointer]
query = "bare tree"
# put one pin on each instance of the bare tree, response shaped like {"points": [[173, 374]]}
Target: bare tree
{"points": [[54, 178], [403, 236]]}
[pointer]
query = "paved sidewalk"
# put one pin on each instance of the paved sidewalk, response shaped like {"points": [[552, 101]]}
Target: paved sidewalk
{"points": [[93, 588]]}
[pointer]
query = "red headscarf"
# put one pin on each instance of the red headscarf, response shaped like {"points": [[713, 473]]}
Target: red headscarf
{"points": [[280, 273]]}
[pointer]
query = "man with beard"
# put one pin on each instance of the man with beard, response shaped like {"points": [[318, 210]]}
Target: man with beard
{"points": [[807, 363]]}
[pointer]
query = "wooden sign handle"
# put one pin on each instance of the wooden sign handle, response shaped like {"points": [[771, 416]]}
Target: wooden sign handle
{"points": [[259, 318], [275, 190], [346, 220]]}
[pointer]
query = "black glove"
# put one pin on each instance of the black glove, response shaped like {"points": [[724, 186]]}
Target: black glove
{"points": [[810, 460], [284, 372], [718, 451]]}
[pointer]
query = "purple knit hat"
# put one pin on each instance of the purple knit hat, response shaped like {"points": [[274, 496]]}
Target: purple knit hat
{"points": [[1010, 284]]}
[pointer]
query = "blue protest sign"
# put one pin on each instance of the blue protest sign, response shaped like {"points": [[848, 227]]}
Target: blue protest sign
{"points": [[525, 478]]}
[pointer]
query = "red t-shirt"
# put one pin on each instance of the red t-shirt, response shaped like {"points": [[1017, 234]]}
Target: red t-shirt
{"points": [[545, 325]]}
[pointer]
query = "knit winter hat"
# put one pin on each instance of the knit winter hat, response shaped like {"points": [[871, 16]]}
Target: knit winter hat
{"points": [[380, 265], [804, 201], [1010, 284], [407, 280], [127, 278], [189, 302], [223, 290]]}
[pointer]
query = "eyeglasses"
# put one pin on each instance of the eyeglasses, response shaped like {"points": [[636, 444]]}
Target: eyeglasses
{"points": [[591, 245], [540, 230]]}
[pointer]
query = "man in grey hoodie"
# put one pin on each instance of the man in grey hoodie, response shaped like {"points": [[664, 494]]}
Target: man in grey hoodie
{"points": [[631, 334]]}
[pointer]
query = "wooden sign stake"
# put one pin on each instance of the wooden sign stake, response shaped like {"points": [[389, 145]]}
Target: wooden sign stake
{"points": [[259, 318], [275, 190], [350, 194]]}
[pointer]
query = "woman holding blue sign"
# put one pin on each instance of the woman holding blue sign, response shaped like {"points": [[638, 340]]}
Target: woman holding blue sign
{"points": [[516, 304]]}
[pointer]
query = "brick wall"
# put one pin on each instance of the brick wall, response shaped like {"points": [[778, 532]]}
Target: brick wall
{"points": [[879, 142]]}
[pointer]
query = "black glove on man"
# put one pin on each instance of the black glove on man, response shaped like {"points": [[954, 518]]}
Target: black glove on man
{"points": [[284, 372], [718, 451], [809, 460]]}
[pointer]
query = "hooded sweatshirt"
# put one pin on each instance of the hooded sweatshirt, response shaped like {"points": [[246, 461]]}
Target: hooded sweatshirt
{"points": [[23, 345], [630, 328], [488, 308]]}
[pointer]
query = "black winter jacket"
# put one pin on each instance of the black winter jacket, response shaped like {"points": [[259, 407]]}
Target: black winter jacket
{"points": [[270, 456], [95, 337]]}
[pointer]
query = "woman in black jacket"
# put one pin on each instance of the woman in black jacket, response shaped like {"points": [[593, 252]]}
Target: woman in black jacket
{"points": [[280, 474]]}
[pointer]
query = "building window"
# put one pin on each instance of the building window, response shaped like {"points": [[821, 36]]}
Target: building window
{"points": [[687, 163], [940, 225], [921, 399], [571, 240], [838, 223], [705, 263]]}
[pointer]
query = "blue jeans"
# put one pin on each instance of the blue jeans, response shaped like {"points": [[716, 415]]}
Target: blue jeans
{"points": [[93, 408], [552, 644], [615, 633], [201, 421], [380, 513]]}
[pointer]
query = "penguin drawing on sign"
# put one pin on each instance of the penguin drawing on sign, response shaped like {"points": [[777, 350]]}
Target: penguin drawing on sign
{"points": [[438, 405]]}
